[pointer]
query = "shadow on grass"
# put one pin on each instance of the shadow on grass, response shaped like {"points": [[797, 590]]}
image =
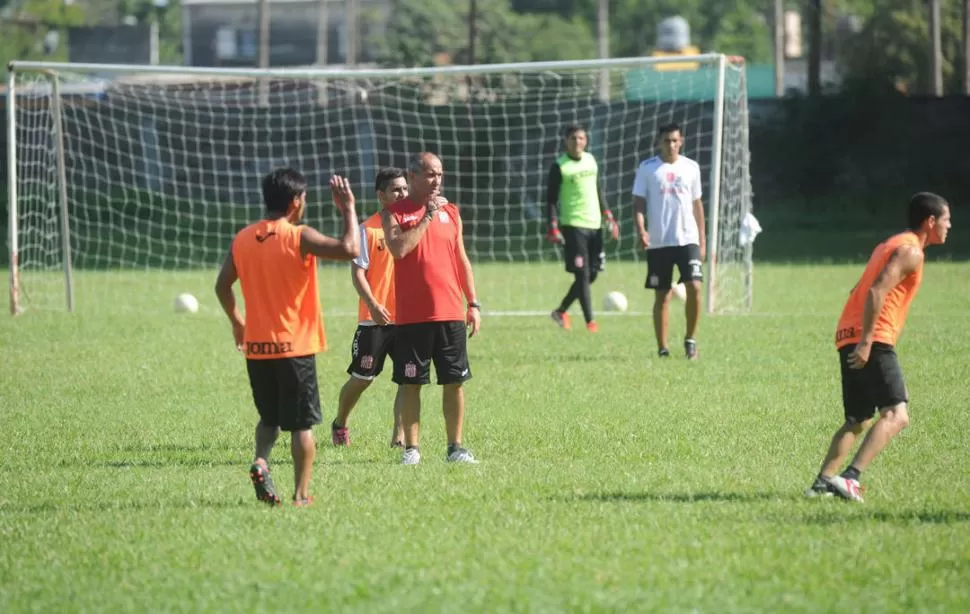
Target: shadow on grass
{"points": [[903, 517], [660, 497]]}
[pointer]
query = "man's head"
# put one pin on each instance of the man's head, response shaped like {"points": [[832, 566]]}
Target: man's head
{"points": [[284, 193], [576, 140], [930, 214], [425, 176], [391, 185], [669, 140]]}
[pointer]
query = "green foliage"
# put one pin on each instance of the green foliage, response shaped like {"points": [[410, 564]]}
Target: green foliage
{"points": [[22, 41], [169, 20], [893, 48], [419, 29]]}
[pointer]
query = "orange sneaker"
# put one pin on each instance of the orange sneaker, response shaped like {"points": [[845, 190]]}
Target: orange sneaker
{"points": [[592, 327], [561, 318]]}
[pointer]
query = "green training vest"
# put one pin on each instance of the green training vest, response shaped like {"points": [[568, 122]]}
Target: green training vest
{"points": [[579, 203]]}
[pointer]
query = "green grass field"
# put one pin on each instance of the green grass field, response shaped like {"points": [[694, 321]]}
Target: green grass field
{"points": [[609, 480]]}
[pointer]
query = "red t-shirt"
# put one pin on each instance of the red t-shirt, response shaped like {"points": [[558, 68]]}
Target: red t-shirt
{"points": [[427, 281]]}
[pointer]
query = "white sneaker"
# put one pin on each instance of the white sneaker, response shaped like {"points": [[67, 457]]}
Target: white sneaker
{"points": [[461, 455], [411, 456], [846, 488]]}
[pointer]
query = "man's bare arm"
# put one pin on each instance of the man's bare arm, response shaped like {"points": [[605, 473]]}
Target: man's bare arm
{"points": [[467, 278], [224, 282], [904, 261], [347, 247], [400, 242], [701, 225]]}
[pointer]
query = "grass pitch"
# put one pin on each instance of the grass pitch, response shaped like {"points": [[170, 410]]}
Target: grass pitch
{"points": [[610, 480]]}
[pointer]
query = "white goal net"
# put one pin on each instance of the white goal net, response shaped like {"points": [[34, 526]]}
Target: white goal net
{"points": [[127, 183]]}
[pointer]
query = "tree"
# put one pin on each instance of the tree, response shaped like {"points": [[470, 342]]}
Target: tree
{"points": [[37, 30], [892, 50], [168, 15], [419, 30]]}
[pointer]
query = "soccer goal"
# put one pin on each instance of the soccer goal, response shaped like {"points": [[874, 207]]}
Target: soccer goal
{"points": [[126, 183]]}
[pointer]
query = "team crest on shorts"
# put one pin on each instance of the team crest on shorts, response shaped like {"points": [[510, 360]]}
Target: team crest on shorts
{"points": [[366, 362], [654, 280], [578, 261], [410, 370]]}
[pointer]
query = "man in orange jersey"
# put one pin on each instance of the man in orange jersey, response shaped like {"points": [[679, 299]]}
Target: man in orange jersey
{"points": [[866, 337], [433, 279], [275, 261], [372, 274]]}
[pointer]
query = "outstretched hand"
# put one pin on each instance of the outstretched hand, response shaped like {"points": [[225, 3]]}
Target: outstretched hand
{"points": [[343, 195]]}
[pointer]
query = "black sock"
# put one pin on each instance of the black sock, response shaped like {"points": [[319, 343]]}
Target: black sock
{"points": [[851, 473], [452, 447]]}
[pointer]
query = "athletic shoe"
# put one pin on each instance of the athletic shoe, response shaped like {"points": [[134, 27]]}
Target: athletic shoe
{"points": [[663, 353], [820, 488], [690, 349], [411, 456], [461, 455], [846, 488], [340, 435], [561, 318], [263, 483], [592, 327]]}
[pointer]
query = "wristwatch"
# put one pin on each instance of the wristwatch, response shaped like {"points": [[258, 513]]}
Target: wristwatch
{"points": [[474, 305]]}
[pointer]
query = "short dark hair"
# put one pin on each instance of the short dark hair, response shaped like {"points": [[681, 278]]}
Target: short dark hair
{"points": [[385, 176], [572, 129], [668, 128], [417, 162], [280, 187], [924, 205]]}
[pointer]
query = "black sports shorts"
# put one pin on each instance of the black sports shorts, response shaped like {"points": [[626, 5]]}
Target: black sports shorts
{"points": [[285, 391]]}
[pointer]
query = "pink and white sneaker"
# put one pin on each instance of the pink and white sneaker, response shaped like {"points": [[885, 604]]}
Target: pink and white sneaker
{"points": [[846, 488]]}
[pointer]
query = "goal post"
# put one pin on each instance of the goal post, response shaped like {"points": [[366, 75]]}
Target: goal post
{"points": [[121, 173]]}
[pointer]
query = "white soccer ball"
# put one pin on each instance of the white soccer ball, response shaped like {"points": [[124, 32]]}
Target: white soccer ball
{"points": [[680, 291], [186, 303], [615, 301]]}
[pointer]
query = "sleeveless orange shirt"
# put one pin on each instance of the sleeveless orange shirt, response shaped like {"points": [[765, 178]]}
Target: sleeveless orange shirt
{"points": [[378, 263], [427, 281], [279, 287], [891, 318]]}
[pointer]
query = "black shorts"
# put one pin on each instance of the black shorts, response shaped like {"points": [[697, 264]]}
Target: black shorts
{"points": [[875, 386], [417, 345], [370, 348], [661, 262], [583, 248], [285, 391]]}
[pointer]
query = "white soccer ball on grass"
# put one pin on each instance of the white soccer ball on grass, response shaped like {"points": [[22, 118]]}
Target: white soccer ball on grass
{"points": [[680, 291], [615, 301], [186, 303]]}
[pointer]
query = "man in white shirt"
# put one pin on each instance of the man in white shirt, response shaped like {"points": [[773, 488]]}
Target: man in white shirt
{"points": [[667, 193]]}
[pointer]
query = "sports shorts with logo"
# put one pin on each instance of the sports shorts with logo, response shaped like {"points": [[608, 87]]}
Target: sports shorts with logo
{"points": [[583, 247], [417, 346], [285, 391], [877, 385], [662, 260], [371, 346]]}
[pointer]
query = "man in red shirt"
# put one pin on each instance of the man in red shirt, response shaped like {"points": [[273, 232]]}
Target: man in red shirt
{"points": [[433, 279]]}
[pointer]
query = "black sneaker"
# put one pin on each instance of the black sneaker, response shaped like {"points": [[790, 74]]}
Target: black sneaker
{"points": [[690, 349], [820, 488], [263, 483], [663, 353]]}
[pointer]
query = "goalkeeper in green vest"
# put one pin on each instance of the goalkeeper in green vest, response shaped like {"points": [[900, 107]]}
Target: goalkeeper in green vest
{"points": [[577, 207]]}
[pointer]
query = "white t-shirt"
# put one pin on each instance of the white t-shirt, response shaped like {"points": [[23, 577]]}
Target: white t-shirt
{"points": [[670, 191]]}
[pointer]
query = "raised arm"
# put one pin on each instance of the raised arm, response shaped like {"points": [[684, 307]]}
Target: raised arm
{"points": [[227, 298], [348, 246], [400, 242], [467, 280], [903, 262]]}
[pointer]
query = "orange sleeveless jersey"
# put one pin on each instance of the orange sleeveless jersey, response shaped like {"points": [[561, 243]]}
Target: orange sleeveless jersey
{"points": [[890, 320], [427, 280], [378, 263], [279, 286]]}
